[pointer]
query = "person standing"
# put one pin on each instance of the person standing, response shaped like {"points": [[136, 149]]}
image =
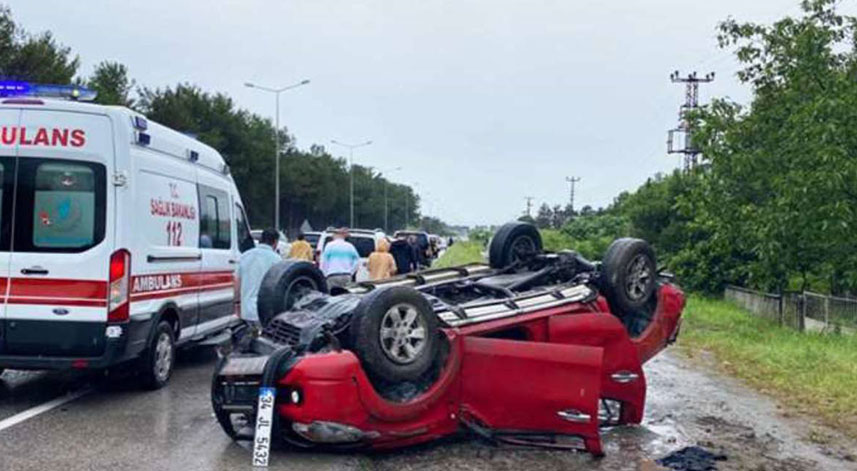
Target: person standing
{"points": [[252, 267], [403, 255], [339, 260], [381, 263], [301, 250]]}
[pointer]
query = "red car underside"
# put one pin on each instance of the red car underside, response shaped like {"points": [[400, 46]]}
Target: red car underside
{"points": [[547, 382]]}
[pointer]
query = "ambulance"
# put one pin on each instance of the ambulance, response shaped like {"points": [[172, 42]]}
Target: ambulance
{"points": [[120, 237]]}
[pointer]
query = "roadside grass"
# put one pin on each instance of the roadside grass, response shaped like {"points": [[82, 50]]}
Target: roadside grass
{"points": [[460, 253], [810, 373]]}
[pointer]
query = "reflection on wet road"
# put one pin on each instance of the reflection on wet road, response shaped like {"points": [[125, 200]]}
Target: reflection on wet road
{"points": [[121, 428]]}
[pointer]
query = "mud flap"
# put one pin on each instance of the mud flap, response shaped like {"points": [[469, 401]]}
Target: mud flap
{"points": [[532, 393]]}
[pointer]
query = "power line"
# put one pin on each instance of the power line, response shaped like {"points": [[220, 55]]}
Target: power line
{"points": [[571, 181], [685, 125], [529, 205]]}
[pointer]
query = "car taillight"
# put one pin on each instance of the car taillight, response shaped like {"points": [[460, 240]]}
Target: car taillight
{"points": [[118, 307]]}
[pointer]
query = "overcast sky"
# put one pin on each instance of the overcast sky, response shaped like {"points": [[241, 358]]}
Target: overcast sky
{"points": [[482, 103]]}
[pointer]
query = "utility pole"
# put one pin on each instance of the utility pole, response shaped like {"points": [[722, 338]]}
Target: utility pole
{"points": [[685, 127], [529, 205], [571, 181], [351, 148]]}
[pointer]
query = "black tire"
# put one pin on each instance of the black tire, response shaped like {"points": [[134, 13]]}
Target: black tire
{"points": [[159, 358], [628, 276], [400, 311], [512, 242], [284, 283]]}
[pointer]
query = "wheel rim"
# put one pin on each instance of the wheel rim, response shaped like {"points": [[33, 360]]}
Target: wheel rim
{"points": [[639, 278], [522, 248], [163, 356], [298, 288], [403, 333]]}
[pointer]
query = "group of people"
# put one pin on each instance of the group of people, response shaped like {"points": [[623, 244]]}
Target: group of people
{"points": [[339, 261]]}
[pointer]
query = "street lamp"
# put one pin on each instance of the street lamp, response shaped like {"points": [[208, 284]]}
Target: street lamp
{"points": [[276, 91], [351, 148], [387, 226]]}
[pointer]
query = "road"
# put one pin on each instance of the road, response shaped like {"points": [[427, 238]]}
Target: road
{"points": [[120, 428]]}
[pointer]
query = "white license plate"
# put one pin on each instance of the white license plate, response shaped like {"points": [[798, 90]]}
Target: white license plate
{"points": [[264, 419]]}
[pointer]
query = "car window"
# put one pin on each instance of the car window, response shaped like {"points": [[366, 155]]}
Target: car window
{"points": [[62, 206], [312, 239], [6, 181], [245, 237], [215, 226], [364, 245]]}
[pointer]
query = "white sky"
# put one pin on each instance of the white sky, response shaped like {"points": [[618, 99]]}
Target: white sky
{"points": [[481, 102]]}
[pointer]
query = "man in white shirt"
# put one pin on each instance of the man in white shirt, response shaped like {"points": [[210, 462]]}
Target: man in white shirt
{"points": [[252, 267]]}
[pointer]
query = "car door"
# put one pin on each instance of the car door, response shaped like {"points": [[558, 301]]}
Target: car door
{"points": [[8, 158], [623, 384], [216, 281], [57, 299], [524, 388]]}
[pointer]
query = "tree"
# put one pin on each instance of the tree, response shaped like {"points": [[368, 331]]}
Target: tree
{"points": [[112, 83], [35, 58]]}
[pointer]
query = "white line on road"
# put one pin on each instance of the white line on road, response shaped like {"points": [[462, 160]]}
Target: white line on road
{"points": [[41, 409]]}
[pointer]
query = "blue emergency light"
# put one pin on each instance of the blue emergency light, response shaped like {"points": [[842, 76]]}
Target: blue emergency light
{"points": [[11, 88]]}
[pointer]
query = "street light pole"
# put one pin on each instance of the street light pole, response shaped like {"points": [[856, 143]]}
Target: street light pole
{"points": [[351, 148], [386, 205], [276, 92]]}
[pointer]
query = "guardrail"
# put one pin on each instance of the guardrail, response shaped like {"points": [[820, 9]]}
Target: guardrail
{"points": [[799, 310]]}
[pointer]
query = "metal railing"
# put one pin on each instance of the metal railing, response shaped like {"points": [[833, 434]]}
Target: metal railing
{"points": [[799, 310]]}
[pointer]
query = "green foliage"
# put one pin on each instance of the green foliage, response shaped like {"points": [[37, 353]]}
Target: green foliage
{"points": [[460, 253], [112, 83], [811, 372], [36, 58]]}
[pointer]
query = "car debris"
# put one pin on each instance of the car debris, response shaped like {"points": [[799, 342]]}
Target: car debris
{"points": [[692, 458], [533, 349]]}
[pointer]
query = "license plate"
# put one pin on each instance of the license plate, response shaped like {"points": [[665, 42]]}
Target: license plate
{"points": [[264, 419]]}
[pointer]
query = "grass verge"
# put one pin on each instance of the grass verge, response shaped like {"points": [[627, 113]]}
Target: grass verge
{"points": [[459, 254], [810, 373]]}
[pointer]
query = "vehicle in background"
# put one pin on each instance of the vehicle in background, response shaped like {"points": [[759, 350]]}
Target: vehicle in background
{"points": [[283, 245], [119, 237], [363, 240], [422, 240]]}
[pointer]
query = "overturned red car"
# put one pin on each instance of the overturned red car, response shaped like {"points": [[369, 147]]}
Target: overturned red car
{"points": [[533, 349]]}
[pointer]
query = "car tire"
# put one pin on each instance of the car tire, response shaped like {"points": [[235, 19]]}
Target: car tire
{"points": [[284, 283], [159, 358], [394, 332], [628, 276], [512, 242]]}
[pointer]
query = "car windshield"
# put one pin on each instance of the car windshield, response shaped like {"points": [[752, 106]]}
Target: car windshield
{"points": [[364, 245]]}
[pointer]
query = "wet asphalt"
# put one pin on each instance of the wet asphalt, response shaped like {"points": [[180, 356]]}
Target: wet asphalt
{"points": [[116, 426]]}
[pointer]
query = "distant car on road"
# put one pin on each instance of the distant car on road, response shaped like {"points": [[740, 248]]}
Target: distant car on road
{"points": [[283, 245], [363, 240]]}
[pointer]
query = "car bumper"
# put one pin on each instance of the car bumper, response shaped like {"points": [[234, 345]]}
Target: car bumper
{"points": [[115, 351]]}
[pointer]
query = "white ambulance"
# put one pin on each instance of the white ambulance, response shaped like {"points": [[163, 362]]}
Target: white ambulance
{"points": [[120, 237]]}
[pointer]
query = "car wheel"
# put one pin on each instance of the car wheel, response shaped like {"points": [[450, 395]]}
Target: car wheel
{"points": [[514, 242], [394, 332], [159, 358], [628, 276], [284, 284]]}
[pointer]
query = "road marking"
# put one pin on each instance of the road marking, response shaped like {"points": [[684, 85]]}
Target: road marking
{"points": [[41, 409]]}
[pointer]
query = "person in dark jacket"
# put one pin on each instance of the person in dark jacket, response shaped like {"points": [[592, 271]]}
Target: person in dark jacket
{"points": [[404, 256]]}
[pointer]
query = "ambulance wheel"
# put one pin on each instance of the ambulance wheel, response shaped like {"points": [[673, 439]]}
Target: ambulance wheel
{"points": [[284, 284], [394, 333], [159, 358], [514, 242], [628, 276]]}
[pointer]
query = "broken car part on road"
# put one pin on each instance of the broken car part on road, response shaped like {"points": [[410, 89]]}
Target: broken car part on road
{"points": [[535, 349]]}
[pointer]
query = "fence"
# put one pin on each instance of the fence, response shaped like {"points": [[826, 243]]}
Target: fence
{"points": [[800, 311]]}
